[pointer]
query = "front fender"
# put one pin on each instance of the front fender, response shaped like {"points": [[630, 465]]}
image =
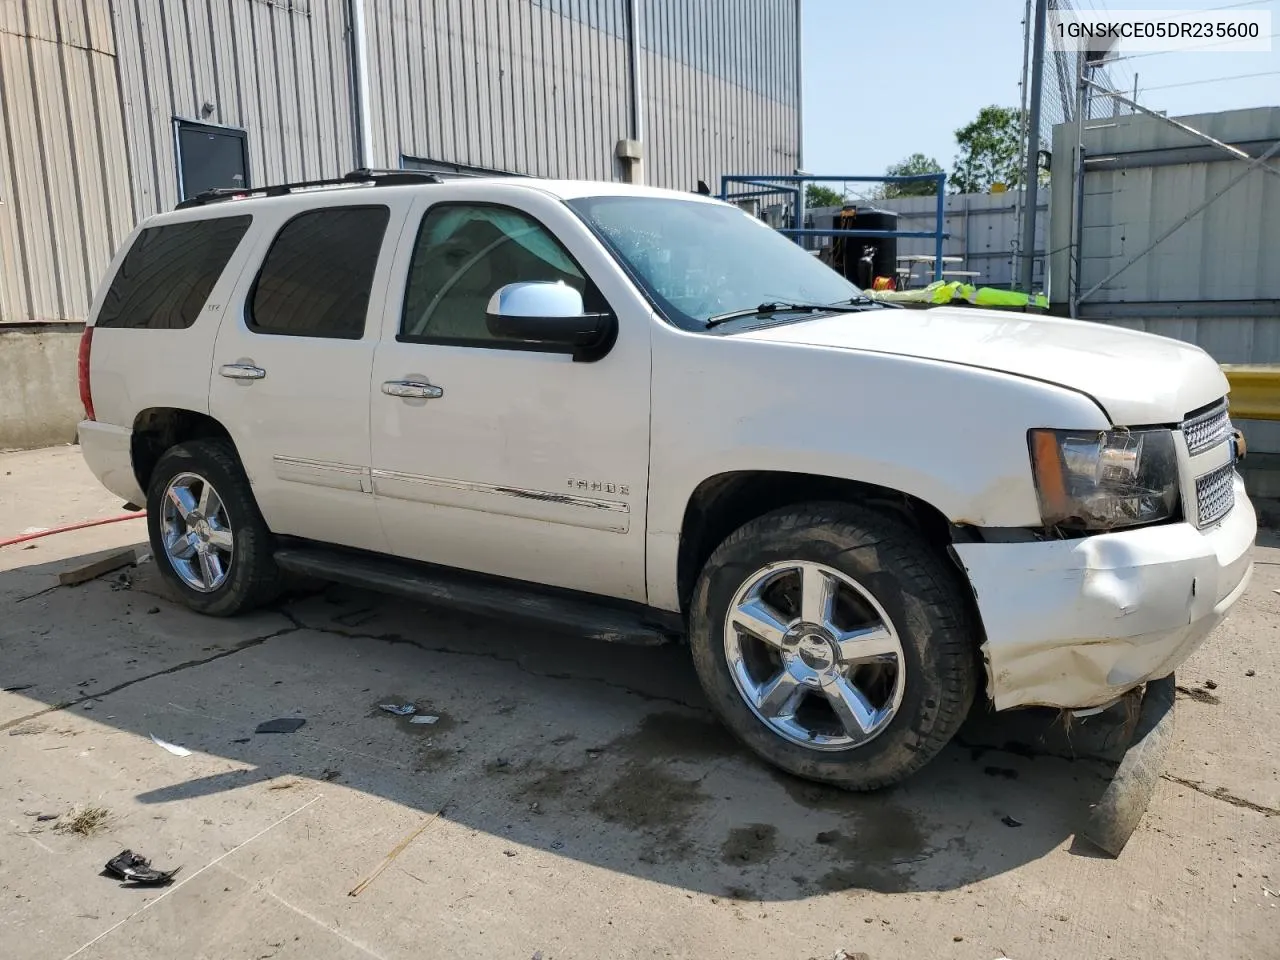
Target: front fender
{"points": [[950, 435]]}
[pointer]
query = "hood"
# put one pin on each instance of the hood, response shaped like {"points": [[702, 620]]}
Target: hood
{"points": [[1137, 378]]}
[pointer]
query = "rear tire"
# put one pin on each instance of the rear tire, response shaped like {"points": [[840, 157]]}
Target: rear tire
{"points": [[207, 534], [835, 643]]}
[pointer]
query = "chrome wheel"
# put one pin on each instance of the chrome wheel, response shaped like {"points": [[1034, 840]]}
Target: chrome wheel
{"points": [[814, 655], [196, 532]]}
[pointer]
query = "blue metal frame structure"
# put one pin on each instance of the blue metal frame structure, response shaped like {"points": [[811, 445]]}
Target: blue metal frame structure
{"points": [[794, 184]]}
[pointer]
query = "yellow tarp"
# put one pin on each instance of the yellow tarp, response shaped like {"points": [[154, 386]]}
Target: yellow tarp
{"points": [[943, 292]]}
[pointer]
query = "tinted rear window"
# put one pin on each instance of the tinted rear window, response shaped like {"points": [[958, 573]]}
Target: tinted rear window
{"points": [[316, 278], [168, 273]]}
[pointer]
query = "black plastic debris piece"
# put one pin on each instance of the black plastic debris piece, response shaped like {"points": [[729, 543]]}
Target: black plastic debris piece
{"points": [[46, 817], [1009, 821], [281, 725], [18, 686], [134, 867], [241, 740]]}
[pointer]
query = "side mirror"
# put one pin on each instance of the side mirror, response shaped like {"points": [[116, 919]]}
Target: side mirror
{"points": [[552, 314]]}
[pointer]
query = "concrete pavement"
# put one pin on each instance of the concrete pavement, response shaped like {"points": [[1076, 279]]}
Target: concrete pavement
{"points": [[591, 807]]}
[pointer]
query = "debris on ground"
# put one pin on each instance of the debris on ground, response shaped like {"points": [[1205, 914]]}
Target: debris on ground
{"points": [[1210, 685], [85, 822], [96, 568], [285, 785], [398, 849], [153, 609], [399, 709], [46, 817], [281, 725], [330, 774], [424, 718], [173, 748], [18, 686], [1198, 695], [1250, 673], [1009, 821], [130, 866]]}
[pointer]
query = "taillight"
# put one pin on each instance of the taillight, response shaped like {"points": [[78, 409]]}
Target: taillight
{"points": [[82, 370]]}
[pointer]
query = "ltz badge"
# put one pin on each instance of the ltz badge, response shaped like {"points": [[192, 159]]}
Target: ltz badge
{"points": [[599, 486]]}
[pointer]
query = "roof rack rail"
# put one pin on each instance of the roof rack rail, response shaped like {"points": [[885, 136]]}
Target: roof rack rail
{"points": [[362, 176]]}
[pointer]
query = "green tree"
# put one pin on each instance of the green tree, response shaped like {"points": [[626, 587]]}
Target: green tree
{"points": [[816, 195], [915, 164], [989, 151]]}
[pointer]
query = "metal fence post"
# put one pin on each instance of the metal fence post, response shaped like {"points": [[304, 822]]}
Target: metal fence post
{"points": [[941, 227]]}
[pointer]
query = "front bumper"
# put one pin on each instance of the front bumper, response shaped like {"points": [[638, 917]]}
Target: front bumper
{"points": [[1077, 623]]}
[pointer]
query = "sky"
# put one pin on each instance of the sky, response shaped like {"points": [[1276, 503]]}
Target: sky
{"points": [[883, 80]]}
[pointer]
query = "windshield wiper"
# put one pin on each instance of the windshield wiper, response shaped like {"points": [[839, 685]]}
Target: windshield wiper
{"points": [[853, 305]]}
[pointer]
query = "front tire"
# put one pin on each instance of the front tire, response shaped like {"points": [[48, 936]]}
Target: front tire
{"points": [[835, 643], [207, 535]]}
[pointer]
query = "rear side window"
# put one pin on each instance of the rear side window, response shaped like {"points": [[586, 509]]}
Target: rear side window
{"points": [[168, 273], [316, 278]]}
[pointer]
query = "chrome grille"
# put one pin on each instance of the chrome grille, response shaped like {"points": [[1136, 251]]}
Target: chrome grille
{"points": [[1207, 428], [1215, 494]]}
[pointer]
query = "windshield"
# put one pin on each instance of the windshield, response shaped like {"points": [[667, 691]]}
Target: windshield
{"points": [[698, 260]]}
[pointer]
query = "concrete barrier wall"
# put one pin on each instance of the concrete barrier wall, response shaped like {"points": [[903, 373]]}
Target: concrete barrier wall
{"points": [[39, 395]]}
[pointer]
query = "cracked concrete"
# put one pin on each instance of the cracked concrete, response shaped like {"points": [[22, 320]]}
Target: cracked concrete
{"points": [[592, 807], [1221, 793]]}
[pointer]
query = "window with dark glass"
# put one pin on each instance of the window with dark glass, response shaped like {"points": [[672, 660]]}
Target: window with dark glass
{"points": [[463, 255], [169, 272], [318, 274]]}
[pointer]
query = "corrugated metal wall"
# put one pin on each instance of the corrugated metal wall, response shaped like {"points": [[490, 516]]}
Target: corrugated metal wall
{"points": [[1143, 176], [279, 69], [64, 185], [1216, 281], [542, 86], [507, 85], [91, 89], [719, 83]]}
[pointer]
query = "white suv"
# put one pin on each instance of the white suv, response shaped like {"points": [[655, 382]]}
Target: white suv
{"points": [[644, 414]]}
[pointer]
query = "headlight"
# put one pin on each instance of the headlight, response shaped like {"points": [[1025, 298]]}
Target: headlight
{"points": [[1099, 480]]}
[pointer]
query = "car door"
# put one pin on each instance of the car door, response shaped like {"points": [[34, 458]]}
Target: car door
{"points": [[512, 459], [290, 377]]}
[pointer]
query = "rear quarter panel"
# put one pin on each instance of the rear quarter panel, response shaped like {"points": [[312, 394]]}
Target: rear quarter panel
{"points": [[132, 370]]}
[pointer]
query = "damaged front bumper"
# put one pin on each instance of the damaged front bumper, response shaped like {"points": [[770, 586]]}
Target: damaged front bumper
{"points": [[1077, 623]]}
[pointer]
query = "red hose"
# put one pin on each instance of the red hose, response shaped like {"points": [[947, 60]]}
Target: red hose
{"points": [[72, 526]]}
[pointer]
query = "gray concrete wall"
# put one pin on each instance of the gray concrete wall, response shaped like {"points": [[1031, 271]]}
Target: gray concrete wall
{"points": [[39, 395]]}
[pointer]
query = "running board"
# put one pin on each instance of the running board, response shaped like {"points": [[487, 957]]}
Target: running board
{"points": [[581, 614]]}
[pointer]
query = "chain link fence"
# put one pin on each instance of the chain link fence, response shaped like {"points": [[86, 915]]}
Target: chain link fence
{"points": [[1061, 76]]}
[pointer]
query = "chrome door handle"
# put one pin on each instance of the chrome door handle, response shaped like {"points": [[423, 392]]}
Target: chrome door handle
{"points": [[412, 390], [241, 371]]}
